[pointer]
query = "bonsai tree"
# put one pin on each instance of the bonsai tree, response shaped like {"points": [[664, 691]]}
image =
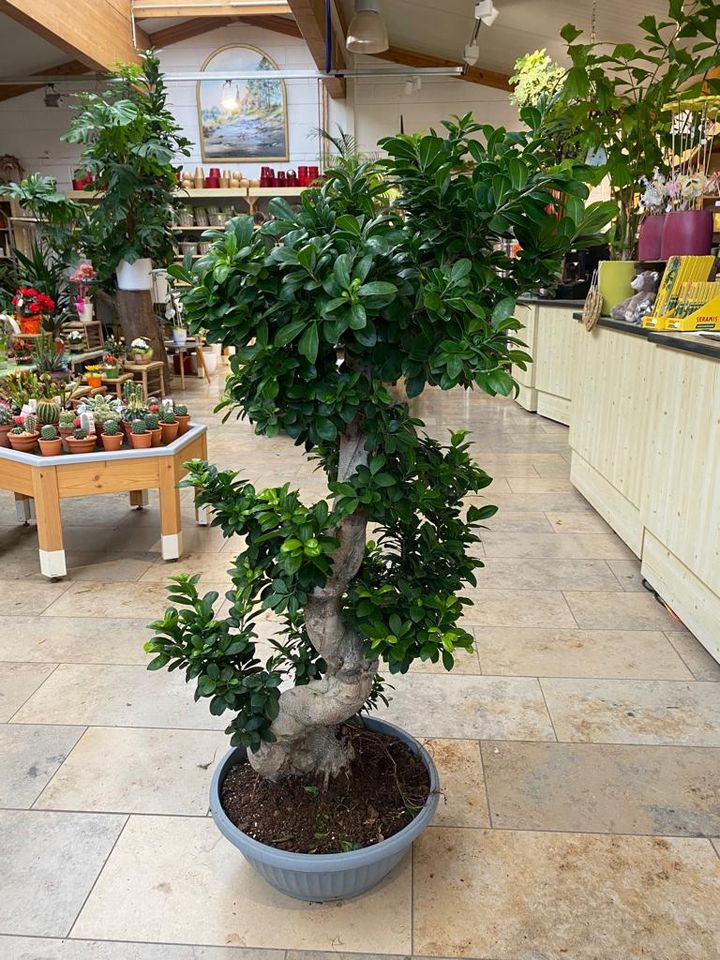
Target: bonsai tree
{"points": [[131, 141], [327, 306], [616, 98]]}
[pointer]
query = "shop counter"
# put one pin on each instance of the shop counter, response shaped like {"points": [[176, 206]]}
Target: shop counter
{"points": [[644, 414], [551, 335]]}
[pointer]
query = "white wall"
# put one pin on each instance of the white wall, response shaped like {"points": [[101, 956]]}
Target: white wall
{"points": [[31, 131]]}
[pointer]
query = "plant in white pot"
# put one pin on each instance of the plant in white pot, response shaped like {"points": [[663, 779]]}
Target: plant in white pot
{"points": [[131, 142], [327, 306]]}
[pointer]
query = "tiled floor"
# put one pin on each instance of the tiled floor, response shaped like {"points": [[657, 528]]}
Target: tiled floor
{"points": [[579, 747]]}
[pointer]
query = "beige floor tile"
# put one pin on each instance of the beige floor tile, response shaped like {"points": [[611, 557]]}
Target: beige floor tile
{"points": [[36, 948], [501, 608], [492, 708], [212, 567], [577, 522], [618, 611], [70, 640], [114, 770], [464, 663], [628, 574], [463, 802], [526, 896], [18, 681], [540, 485], [29, 597], [97, 599], [515, 523], [149, 891], [563, 504], [551, 652], [30, 756], [699, 661], [554, 546], [531, 574], [635, 711], [92, 566], [49, 863], [113, 695], [604, 788]]}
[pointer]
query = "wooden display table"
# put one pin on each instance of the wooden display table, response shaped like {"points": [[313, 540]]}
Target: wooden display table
{"points": [[151, 375], [191, 345], [39, 483], [116, 383]]}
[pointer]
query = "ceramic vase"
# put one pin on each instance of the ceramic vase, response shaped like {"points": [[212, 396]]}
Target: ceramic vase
{"points": [[650, 237], [614, 278], [687, 233]]}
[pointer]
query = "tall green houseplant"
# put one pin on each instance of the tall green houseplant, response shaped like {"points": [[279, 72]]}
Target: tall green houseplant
{"points": [[327, 306], [131, 143], [614, 95]]}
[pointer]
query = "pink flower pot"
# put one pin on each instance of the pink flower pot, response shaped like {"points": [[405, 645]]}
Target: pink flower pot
{"points": [[650, 237], [687, 233]]}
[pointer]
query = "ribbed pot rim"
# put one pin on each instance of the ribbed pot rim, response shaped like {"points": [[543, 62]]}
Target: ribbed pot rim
{"points": [[328, 862]]}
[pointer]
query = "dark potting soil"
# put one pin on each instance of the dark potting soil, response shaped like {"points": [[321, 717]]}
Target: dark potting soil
{"points": [[383, 790]]}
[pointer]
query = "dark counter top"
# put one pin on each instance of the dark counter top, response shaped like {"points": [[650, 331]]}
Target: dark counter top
{"points": [[688, 342], [544, 302]]}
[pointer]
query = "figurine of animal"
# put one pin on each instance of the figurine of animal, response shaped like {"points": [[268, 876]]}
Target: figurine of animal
{"points": [[640, 304]]}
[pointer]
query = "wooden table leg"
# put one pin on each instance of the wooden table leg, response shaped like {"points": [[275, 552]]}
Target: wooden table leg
{"points": [[25, 508], [170, 517], [139, 498], [49, 523], [201, 362], [181, 356]]}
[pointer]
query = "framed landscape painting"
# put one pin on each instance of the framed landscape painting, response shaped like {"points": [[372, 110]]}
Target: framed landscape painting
{"points": [[241, 120]]}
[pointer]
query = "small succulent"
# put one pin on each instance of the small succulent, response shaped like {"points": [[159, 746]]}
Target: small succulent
{"points": [[18, 431], [138, 427], [180, 410], [152, 421], [80, 433], [48, 412], [48, 432], [111, 428], [31, 423], [66, 419], [6, 416], [169, 416]]}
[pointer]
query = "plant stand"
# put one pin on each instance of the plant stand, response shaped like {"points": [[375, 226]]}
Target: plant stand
{"points": [[151, 375], [92, 332], [40, 483], [192, 345]]}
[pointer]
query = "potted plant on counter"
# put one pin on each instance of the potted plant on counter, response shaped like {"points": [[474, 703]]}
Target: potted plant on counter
{"points": [[140, 436], [7, 422], [49, 441], [326, 307], [152, 422], [169, 426], [24, 435], [111, 436], [30, 307], [81, 441], [183, 418]]}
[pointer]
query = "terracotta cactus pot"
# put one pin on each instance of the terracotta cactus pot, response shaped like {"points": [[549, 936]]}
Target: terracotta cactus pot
{"points": [[141, 441], [169, 432], [5, 429], [86, 445], [50, 448], [111, 441], [23, 444], [184, 422], [156, 437]]}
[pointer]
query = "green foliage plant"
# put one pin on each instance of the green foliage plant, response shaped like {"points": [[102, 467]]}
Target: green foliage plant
{"points": [[615, 95], [130, 143], [326, 306]]}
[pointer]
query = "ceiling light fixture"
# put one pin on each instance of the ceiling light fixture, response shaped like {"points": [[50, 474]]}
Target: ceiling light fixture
{"points": [[472, 54], [486, 11], [367, 32], [51, 96]]}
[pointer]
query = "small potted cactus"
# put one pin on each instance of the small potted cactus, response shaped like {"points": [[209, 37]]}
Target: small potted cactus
{"points": [[48, 413], [50, 442], [7, 422], [66, 425], [152, 422], [81, 441], [183, 418], [169, 426], [140, 436], [111, 436], [24, 435]]}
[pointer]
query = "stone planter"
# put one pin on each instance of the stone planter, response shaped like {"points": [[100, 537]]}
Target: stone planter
{"points": [[327, 876]]}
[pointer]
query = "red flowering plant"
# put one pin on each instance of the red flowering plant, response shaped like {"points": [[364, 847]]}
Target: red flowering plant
{"points": [[29, 302]]}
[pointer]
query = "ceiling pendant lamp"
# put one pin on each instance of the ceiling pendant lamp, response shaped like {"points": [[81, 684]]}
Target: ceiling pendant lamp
{"points": [[367, 32]]}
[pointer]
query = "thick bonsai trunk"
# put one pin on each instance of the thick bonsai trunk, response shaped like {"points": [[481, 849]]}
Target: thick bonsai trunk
{"points": [[305, 727], [137, 319]]}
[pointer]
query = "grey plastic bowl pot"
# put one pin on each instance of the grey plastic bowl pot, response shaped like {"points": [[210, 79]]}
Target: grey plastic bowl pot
{"points": [[327, 876]]}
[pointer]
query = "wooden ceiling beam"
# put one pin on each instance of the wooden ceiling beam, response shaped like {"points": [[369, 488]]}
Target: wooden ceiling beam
{"points": [[310, 17], [186, 30], [96, 32], [72, 68], [412, 58], [149, 10]]}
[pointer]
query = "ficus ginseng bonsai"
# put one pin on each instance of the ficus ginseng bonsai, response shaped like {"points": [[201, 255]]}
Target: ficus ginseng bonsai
{"points": [[327, 306]]}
